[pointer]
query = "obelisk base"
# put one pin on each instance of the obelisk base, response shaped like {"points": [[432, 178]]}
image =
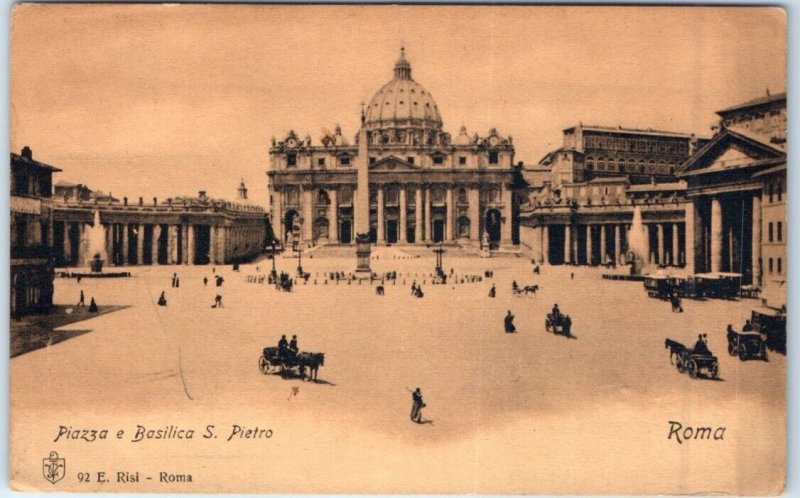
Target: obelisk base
{"points": [[362, 256]]}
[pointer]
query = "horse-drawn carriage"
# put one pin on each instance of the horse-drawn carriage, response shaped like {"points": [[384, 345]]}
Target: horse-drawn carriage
{"points": [[660, 286], [747, 345], [772, 323], [525, 290], [558, 324], [687, 360], [289, 364], [719, 285]]}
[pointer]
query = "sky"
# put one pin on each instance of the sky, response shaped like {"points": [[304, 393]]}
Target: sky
{"points": [[165, 100]]}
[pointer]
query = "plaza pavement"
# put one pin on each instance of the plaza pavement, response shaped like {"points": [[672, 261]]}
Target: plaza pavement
{"points": [[527, 412]]}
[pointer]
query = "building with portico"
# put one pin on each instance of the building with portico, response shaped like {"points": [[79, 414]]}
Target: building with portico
{"points": [[425, 186]]}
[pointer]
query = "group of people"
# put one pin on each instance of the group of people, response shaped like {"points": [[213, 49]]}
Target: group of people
{"points": [[82, 303], [675, 300], [701, 346], [288, 349], [282, 282], [176, 281], [416, 289]]}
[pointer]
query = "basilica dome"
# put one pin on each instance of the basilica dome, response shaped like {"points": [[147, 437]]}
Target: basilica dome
{"points": [[402, 103]]}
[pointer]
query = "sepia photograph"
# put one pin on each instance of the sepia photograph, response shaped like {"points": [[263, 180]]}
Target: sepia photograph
{"points": [[398, 249]]}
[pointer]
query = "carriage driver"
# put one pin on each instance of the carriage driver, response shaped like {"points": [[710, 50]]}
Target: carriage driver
{"points": [[293, 346], [700, 347], [283, 347], [556, 311]]}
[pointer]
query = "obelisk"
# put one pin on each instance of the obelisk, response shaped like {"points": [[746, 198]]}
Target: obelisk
{"points": [[361, 210]]}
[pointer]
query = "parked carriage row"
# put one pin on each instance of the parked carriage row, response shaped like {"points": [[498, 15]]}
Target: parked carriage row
{"points": [[716, 285]]}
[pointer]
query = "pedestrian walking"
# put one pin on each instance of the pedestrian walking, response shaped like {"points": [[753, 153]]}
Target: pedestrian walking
{"points": [[417, 404], [205, 281], [217, 301], [81, 301]]}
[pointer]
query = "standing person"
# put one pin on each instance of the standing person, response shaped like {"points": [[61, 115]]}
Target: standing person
{"points": [[217, 301], [81, 301], [205, 281], [414, 288], [293, 348], [174, 276], [417, 404], [92, 306], [162, 299], [509, 323], [177, 282], [492, 291]]}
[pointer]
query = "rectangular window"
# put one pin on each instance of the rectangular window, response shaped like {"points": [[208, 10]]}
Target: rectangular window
{"points": [[321, 161], [372, 160], [771, 191], [291, 160], [769, 232], [410, 159], [438, 159], [493, 157], [780, 231], [780, 190], [345, 160], [770, 265], [462, 160], [780, 266]]}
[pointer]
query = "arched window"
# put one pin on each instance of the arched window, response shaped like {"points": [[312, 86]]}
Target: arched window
{"points": [[641, 166], [612, 165], [621, 165], [462, 195], [601, 164], [322, 198], [589, 163]]}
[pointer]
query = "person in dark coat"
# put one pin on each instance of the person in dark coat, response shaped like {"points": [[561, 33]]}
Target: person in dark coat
{"points": [[81, 301], [492, 291], [700, 347], [509, 323], [162, 299], [205, 281], [93, 306], [748, 327], [417, 404], [556, 311], [283, 347], [293, 348]]}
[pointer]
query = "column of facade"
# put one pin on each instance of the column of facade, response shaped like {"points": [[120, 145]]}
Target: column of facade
{"points": [[67, 245], [125, 259], [277, 215], [505, 235], [83, 244], [537, 244], [140, 244], [418, 214], [223, 244], [308, 215], [428, 224], [107, 241], [589, 244], [185, 244], [474, 199], [545, 244], [602, 244], [756, 241], [212, 244], [333, 216], [660, 239], [154, 242], [567, 244], [450, 231], [403, 217], [173, 244], [675, 258], [716, 234], [381, 229], [190, 245], [617, 241]]}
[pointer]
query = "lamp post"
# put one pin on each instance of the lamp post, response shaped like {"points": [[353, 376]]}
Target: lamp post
{"points": [[439, 251], [274, 255], [299, 260]]}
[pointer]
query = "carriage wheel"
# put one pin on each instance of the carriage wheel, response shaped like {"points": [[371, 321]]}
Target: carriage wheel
{"points": [[692, 367], [681, 365], [742, 352], [263, 365], [714, 370]]}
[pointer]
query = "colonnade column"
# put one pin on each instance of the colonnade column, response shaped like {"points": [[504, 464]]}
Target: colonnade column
{"points": [[474, 215], [212, 246], [308, 215], [67, 246], [381, 219], [716, 235], [124, 227], [688, 249], [154, 248], [140, 244], [675, 246], [567, 244], [545, 244], [660, 238], [418, 214], [450, 232], [190, 245], [333, 216], [277, 216], [756, 240], [617, 247], [589, 245], [428, 225], [505, 236], [537, 244], [602, 244], [184, 244], [403, 217]]}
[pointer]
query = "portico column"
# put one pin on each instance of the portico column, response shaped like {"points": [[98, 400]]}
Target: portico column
{"points": [[403, 217], [603, 250], [190, 245], [660, 236], [617, 248], [589, 245], [67, 247], [716, 234], [675, 245], [567, 244], [507, 216], [688, 249], [223, 241], [474, 215], [212, 246], [154, 244], [140, 244], [428, 226], [756, 242], [185, 244], [545, 244], [333, 216], [381, 229], [308, 214], [537, 244], [124, 243], [418, 214], [277, 216], [450, 232]]}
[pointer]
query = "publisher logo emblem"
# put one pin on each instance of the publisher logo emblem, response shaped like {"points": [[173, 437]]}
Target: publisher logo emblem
{"points": [[53, 468]]}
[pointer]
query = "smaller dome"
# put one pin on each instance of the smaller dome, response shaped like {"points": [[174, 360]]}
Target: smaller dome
{"points": [[463, 138]]}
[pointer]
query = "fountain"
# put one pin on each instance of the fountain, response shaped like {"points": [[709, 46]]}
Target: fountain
{"points": [[97, 244], [637, 243]]}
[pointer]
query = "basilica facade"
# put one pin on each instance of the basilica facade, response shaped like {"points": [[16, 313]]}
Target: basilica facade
{"points": [[424, 185]]}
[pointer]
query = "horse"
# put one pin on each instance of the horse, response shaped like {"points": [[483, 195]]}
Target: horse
{"points": [[379, 290], [530, 289], [675, 349], [312, 361]]}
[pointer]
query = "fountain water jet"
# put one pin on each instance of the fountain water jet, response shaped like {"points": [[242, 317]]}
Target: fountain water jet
{"points": [[637, 243], [97, 244]]}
